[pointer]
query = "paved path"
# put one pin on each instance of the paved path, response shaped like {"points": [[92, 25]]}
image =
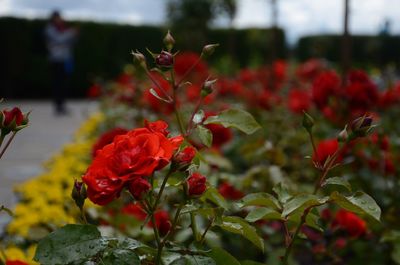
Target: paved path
{"points": [[44, 136]]}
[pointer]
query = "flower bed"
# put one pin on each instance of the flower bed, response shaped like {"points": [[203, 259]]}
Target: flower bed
{"points": [[181, 171]]}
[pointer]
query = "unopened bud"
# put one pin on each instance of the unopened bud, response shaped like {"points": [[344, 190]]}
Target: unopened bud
{"points": [[361, 126], [165, 59], [308, 121], [139, 187], [13, 120], [139, 57], [196, 185], [209, 49], [79, 193], [343, 136], [207, 88], [169, 41], [184, 158]]}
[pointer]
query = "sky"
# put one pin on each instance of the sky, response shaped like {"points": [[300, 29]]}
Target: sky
{"points": [[297, 17]]}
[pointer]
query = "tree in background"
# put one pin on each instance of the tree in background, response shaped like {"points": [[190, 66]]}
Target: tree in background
{"points": [[190, 19]]}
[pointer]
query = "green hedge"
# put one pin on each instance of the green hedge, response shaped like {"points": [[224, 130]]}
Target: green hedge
{"points": [[102, 50], [366, 50]]}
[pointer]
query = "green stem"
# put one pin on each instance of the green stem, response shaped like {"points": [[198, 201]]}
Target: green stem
{"points": [[7, 144], [194, 226], [164, 183], [2, 136], [83, 215], [203, 236], [295, 235]]}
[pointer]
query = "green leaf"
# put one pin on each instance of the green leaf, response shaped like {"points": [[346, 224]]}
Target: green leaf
{"points": [[262, 213], [259, 199], [194, 260], [69, 244], [359, 203], [239, 226], [301, 202], [122, 257], [235, 118], [396, 253], [282, 193], [222, 257], [337, 181], [205, 135], [213, 195]]}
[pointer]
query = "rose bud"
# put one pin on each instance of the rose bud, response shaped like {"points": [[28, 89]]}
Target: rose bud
{"points": [[139, 187], [308, 121], [169, 41], [361, 126], [196, 184], [209, 49], [185, 157], [79, 193], [13, 120], [165, 59], [139, 57], [343, 136], [207, 88]]}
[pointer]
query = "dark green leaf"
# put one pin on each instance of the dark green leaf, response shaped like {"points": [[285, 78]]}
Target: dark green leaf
{"points": [[205, 135], [301, 202], [69, 244], [259, 199], [194, 260], [250, 262], [122, 257], [282, 193], [235, 118], [239, 226], [337, 181], [262, 213], [213, 195], [222, 257], [359, 203]]}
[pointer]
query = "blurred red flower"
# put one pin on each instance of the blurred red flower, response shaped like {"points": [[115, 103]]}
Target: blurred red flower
{"points": [[349, 222]]}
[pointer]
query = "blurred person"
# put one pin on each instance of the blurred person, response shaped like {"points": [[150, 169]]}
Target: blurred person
{"points": [[60, 40]]}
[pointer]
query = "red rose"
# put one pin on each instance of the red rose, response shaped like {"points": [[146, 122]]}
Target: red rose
{"points": [[196, 184], [138, 187], [340, 243], [163, 223], [325, 149], [136, 154], [299, 101], [16, 262], [14, 114], [350, 222], [221, 135], [230, 192], [310, 69], [165, 59], [107, 138], [185, 157], [94, 91]]}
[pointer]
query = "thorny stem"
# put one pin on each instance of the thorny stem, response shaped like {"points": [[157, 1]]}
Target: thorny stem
{"points": [[83, 215], [7, 144], [196, 109], [203, 236], [169, 99], [295, 235]]}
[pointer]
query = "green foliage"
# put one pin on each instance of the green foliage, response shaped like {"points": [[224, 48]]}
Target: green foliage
{"points": [[221, 257], [239, 226], [70, 243], [235, 118], [204, 135], [338, 181], [359, 203]]}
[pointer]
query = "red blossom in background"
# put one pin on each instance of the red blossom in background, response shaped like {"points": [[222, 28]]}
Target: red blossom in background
{"points": [[310, 69], [230, 192], [351, 223], [163, 222], [299, 100], [94, 91], [325, 149], [185, 60], [326, 85]]}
